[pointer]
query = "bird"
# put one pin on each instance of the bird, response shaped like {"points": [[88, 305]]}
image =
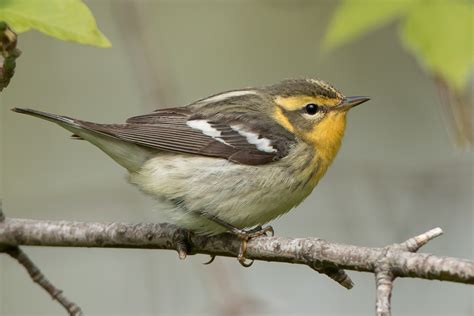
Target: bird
{"points": [[230, 162]]}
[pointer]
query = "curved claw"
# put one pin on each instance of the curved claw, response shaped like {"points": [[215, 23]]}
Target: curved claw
{"points": [[244, 264], [210, 260], [269, 229], [241, 257], [245, 236]]}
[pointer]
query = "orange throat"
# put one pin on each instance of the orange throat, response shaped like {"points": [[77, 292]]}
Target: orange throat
{"points": [[326, 138]]}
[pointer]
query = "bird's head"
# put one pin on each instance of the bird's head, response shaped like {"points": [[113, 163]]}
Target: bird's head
{"points": [[314, 111]]}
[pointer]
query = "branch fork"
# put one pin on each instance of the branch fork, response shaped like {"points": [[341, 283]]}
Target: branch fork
{"points": [[385, 272]]}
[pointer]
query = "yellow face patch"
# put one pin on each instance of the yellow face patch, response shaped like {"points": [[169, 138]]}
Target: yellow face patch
{"points": [[283, 120], [323, 136], [297, 102]]}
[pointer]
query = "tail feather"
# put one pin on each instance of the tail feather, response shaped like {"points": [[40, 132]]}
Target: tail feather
{"points": [[47, 116], [127, 154]]}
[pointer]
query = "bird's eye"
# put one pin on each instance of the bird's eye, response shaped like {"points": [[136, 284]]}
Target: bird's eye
{"points": [[312, 108]]}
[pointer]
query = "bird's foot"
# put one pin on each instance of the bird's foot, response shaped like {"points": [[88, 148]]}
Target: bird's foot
{"points": [[245, 236], [183, 244]]}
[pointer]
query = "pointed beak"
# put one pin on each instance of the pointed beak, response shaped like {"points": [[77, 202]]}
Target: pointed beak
{"points": [[349, 102]]}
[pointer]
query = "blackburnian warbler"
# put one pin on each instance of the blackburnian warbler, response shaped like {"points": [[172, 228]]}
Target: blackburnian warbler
{"points": [[229, 162]]}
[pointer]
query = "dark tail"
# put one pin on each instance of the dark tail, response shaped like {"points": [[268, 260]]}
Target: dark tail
{"points": [[126, 153], [48, 116]]}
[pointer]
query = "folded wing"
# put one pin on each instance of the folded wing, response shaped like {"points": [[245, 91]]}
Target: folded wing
{"points": [[251, 142]]}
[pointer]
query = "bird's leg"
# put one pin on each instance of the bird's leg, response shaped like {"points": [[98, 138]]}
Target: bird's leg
{"points": [[243, 234]]}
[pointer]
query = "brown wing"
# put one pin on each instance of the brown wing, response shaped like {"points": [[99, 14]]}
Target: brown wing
{"points": [[225, 137]]}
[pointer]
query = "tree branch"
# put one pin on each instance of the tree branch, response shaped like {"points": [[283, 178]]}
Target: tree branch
{"points": [[387, 263], [308, 251]]}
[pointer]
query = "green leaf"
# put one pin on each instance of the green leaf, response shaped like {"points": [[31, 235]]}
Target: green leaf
{"points": [[353, 18], [441, 34], [69, 20]]}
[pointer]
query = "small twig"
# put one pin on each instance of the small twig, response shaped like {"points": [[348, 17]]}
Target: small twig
{"points": [[9, 52], [415, 243], [384, 285], [38, 277], [336, 274]]}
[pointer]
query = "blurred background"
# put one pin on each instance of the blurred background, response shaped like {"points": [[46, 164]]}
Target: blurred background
{"points": [[399, 173]]}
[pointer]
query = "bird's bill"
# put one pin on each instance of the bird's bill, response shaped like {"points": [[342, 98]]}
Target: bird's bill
{"points": [[350, 102]]}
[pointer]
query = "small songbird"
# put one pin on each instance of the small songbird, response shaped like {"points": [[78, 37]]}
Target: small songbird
{"points": [[229, 162]]}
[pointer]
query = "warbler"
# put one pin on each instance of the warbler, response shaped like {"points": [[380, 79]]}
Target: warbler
{"points": [[231, 161]]}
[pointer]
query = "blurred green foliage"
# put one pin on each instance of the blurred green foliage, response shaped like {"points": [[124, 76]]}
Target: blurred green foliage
{"points": [[440, 33], [69, 20]]}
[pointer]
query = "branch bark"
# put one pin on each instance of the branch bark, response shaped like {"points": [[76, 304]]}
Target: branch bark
{"points": [[308, 251], [387, 263]]}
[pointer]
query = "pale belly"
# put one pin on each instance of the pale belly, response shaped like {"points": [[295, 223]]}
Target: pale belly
{"points": [[242, 196]]}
